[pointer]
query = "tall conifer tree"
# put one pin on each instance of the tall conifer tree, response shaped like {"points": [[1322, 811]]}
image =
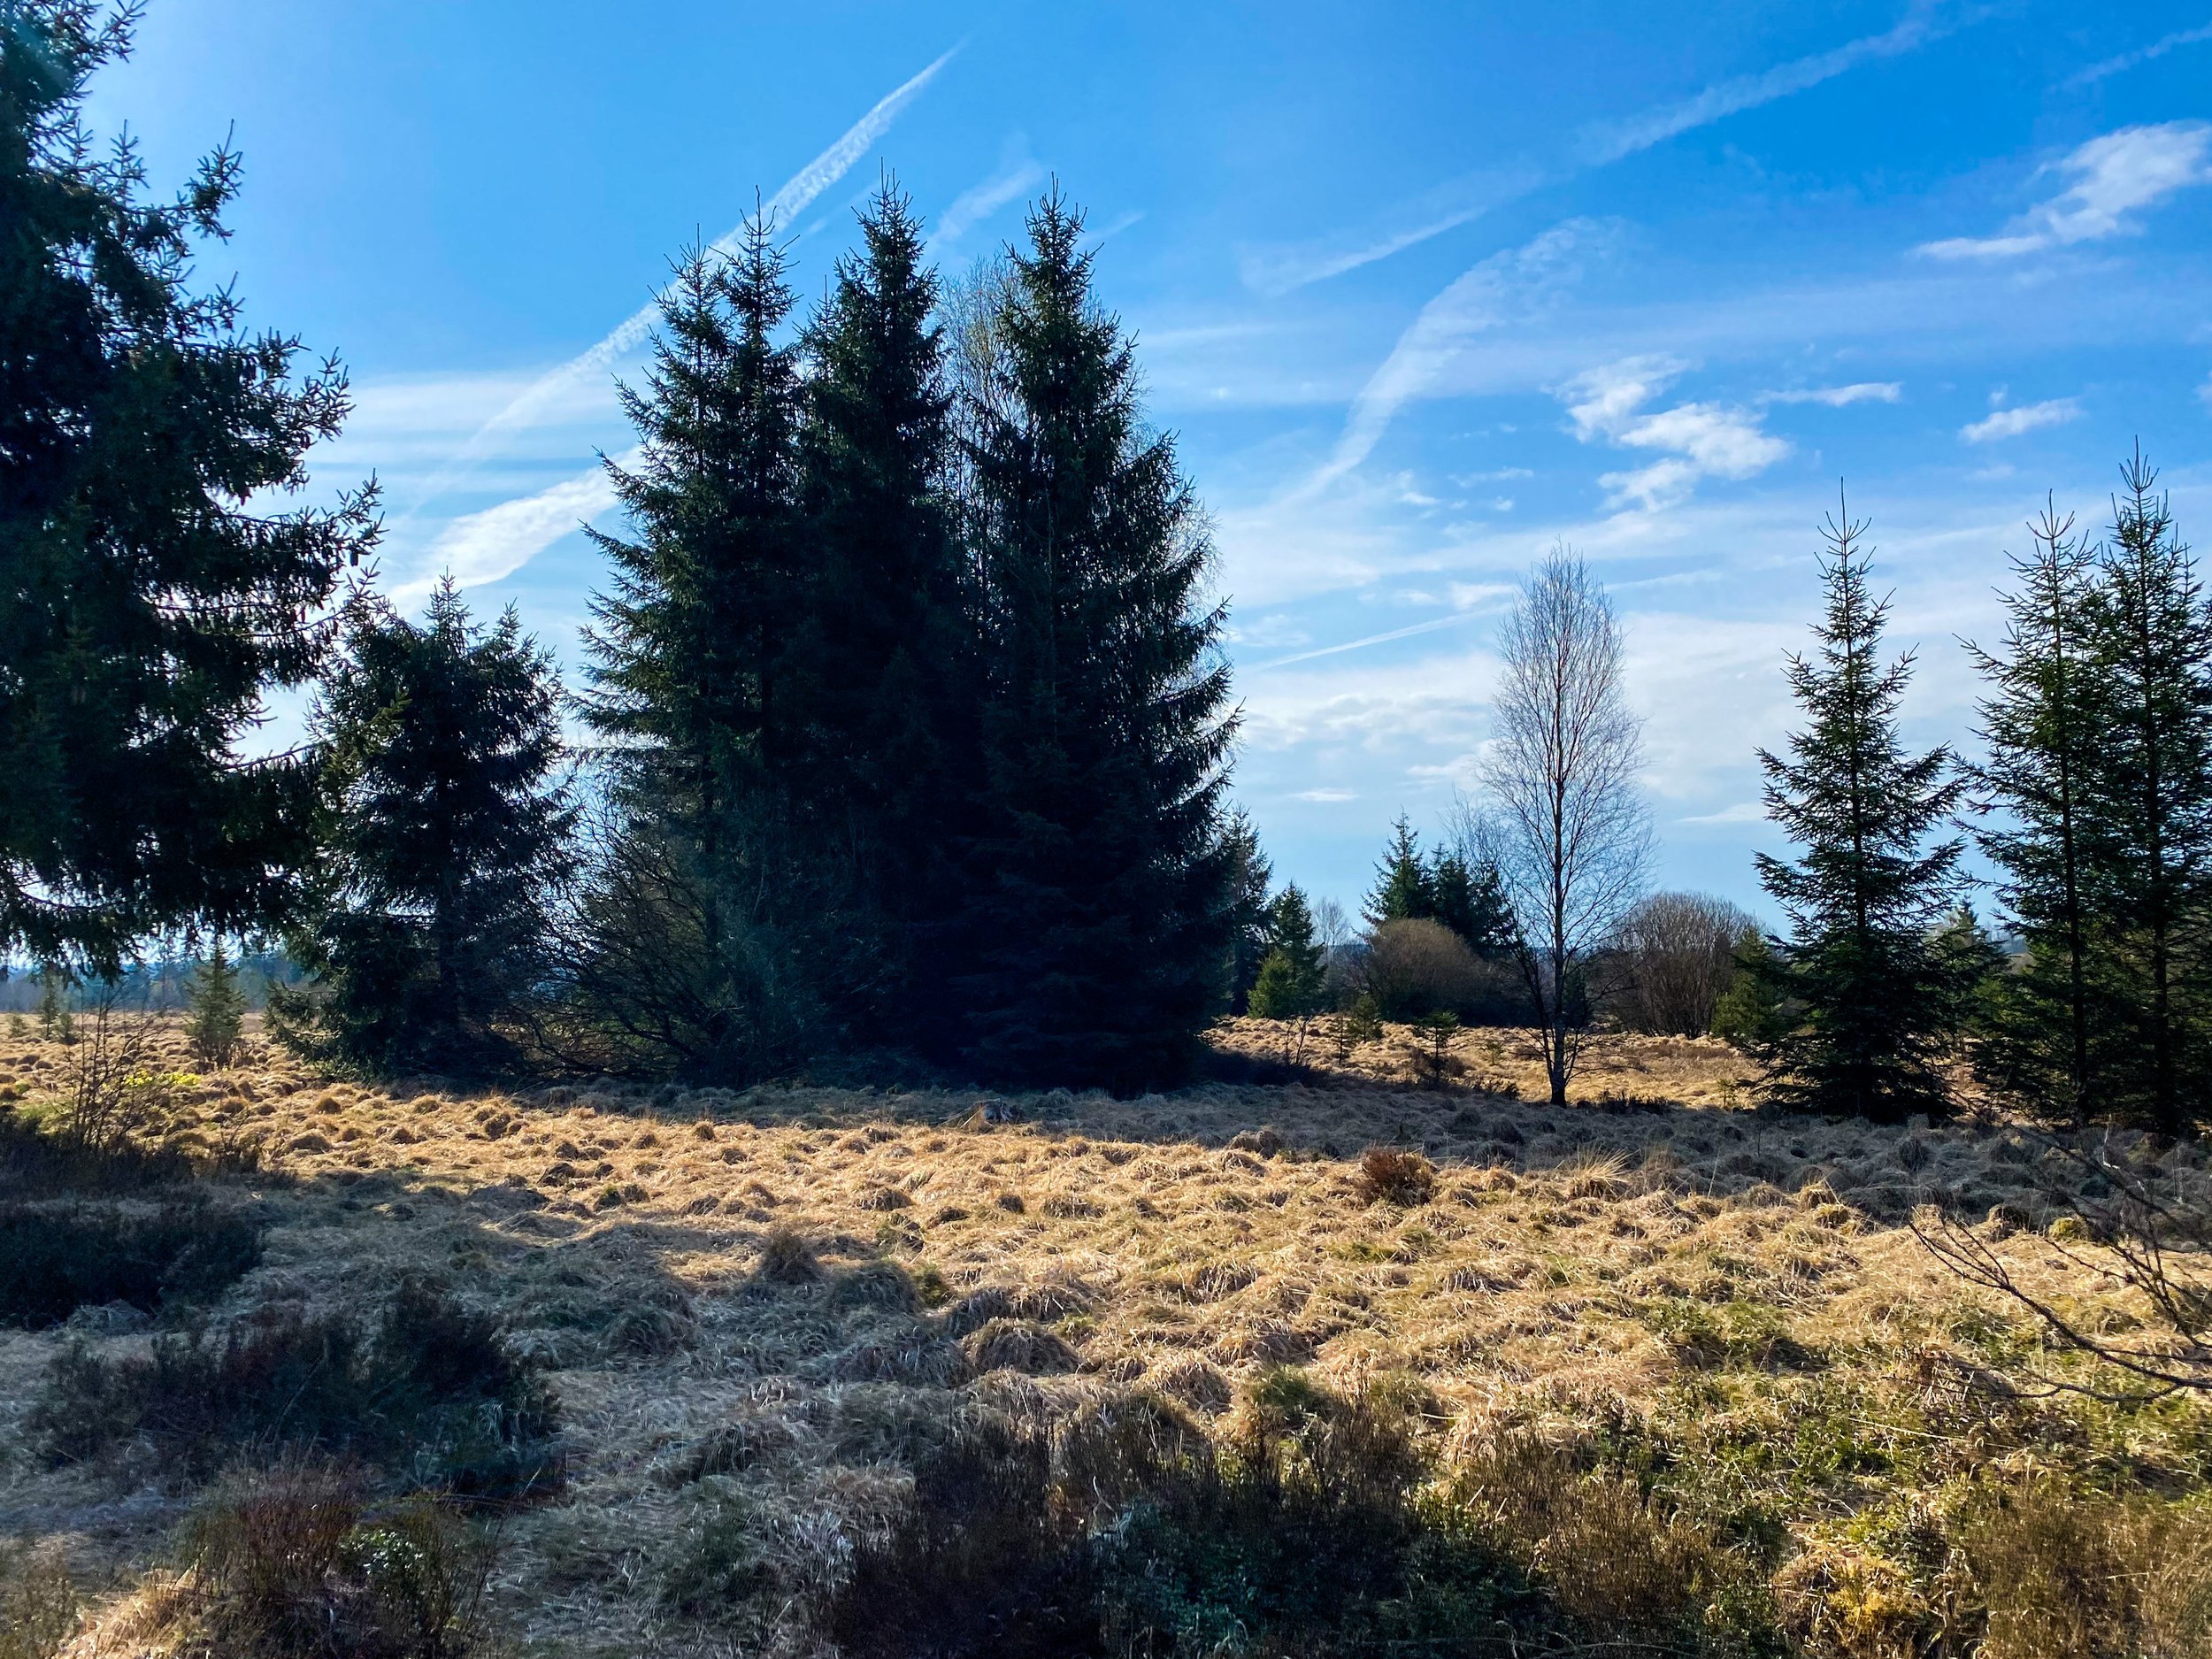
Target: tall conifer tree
{"points": [[148, 597], [2148, 810], [1867, 888], [1100, 926], [1405, 889], [1249, 875], [692, 680], [882, 670], [2040, 729]]}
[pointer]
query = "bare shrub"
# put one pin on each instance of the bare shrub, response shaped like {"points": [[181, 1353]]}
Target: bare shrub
{"points": [[118, 1096], [1670, 959], [1391, 1176], [1417, 968]]}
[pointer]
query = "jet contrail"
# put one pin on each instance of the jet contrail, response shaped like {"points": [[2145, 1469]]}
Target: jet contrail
{"points": [[804, 186]]}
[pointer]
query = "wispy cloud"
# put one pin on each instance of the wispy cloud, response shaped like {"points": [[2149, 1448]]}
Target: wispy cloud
{"points": [[2142, 55], [1477, 302], [1017, 174], [797, 193], [1694, 441], [1460, 201], [1430, 626], [2113, 177], [2010, 423], [1328, 797], [1840, 396], [490, 545], [1446, 207], [1609, 141]]}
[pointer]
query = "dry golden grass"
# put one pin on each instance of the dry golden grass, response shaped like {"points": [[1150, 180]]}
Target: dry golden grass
{"points": [[726, 1287]]}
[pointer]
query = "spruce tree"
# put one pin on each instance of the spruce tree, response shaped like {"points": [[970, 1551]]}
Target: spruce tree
{"points": [[2040, 731], [692, 684], [445, 828], [1100, 926], [1293, 980], [881, 671], [2148, 811], [1869, 885], [1249, 874], [215, 1017], [1404, 889], [149, 597], [1470, 898]]}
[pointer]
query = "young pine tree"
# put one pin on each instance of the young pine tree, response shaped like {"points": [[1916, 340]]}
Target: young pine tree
{"points": [[1100, 926], [148, 597], [1404, 889], [215, 1010], [1867, 888], [1293, 981], [2148, 812], [445, 844], [2039, 728]]}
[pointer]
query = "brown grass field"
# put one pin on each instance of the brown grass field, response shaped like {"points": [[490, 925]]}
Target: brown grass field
{"points": [[1656, 1264]]}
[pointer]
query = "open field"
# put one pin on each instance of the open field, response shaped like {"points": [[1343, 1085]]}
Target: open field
{"points": [[757, 1309]]}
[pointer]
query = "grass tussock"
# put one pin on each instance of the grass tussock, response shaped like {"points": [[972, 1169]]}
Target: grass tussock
{"points": [[1650, 1371]]}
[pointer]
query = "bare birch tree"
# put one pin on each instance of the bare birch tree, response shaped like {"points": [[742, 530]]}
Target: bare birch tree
{"points": [[1565, 823]]}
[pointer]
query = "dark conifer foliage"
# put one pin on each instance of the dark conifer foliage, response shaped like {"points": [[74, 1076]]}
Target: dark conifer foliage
{"points": [[1870, 886], [1468, 897], [1250, 914], [1404, 889], [444, 833], [144, 604], [2039, 727], [1100, 917], [695, 686], [2148, 811], [1293, 980]]}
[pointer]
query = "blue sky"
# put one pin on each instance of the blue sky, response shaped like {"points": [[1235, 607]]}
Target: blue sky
{"points": [[1422, 288]]}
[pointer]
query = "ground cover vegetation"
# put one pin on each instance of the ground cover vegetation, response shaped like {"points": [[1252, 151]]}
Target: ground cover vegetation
{"points": [[861, 1154]]}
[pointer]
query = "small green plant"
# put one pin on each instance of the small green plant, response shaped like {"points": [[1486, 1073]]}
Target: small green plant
{"points": [[55, 1021]]}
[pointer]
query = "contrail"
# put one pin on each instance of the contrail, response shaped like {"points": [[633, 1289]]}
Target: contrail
{"points": [[804, 186]]}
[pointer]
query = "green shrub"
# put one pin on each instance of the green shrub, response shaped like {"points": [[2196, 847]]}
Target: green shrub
{"points": [[56, 1260], [432, 1395]]}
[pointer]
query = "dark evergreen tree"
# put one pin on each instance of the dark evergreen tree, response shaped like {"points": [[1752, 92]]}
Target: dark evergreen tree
{"points": [[445, 830], [1100, 921], [2040, 729], [2148, 812], [1868, 886], [692, 665], [1292, 979], [215, 1009], [1470, 898], [1404, 889], [1249, 874], [1753, 1013], [881, 670], [148, 598]]}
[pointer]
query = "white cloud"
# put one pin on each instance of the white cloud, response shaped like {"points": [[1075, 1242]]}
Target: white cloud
{"points": [[2113, 177], [1606, 141], [1326, 796], [1840, 396], [1481, 299], [491, 545], [1742, 812], [1696, 439], [1450, 205], [1017, 174], [2010, 423], [2128, 60]]}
